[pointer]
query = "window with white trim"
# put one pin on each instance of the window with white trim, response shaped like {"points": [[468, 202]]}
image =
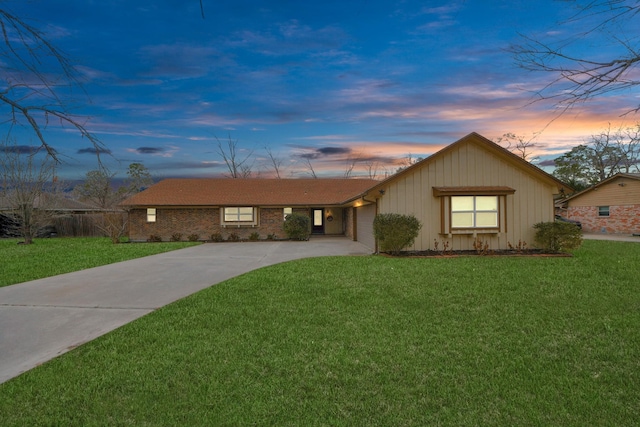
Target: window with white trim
{"points": [[239, 214], [287, 211], [603, 210], [151, 214], [474, 211]]}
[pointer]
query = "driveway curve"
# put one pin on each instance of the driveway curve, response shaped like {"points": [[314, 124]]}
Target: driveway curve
{"points": [[44, 318]]}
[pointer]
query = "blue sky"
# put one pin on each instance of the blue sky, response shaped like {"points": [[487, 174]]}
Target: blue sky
{"points": [[321, 82]]}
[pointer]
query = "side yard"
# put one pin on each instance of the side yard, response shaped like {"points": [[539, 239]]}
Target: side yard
{"points": [[49, 257]]}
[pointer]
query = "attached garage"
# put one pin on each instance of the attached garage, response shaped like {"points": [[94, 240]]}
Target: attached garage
{"points": [[364, 225]]}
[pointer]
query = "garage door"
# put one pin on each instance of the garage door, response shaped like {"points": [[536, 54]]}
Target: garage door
{"points": [[364, 225]]}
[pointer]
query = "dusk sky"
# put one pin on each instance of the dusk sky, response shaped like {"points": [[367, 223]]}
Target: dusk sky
{"points": [[328, 81]]}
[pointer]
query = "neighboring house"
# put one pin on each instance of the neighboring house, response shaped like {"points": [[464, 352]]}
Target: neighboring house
{"points": [[65, 216], [471, 189], [611, 206]]}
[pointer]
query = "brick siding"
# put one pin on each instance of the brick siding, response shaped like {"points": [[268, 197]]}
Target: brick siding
{"points": [[621, 219], [204, 222]]}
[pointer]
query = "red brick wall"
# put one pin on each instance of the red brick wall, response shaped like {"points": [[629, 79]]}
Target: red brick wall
{"points": [[204, 222], [621, 219]]}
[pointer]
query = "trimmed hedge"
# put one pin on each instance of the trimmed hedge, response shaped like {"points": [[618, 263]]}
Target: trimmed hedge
{"points": [[557, 236], [297, 226], [394, 232]]}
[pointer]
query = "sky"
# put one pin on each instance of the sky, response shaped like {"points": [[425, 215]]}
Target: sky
{"points": [[320, 85]]}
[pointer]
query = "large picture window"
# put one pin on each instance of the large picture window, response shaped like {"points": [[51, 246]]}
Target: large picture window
{"points": [[474, 211], [469, 210], [239, 214]]}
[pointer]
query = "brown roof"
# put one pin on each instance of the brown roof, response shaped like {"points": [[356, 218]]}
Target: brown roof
{"points": [[250, 192]]}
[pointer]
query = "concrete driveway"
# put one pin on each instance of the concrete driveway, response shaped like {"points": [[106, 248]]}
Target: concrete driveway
{"points": [[44, 318]]}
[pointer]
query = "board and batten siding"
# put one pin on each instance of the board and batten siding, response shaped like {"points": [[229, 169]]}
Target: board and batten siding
{"points": [[470, 165]]}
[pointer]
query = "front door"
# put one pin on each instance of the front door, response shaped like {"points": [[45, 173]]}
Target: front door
{"points": [[317, 221]]}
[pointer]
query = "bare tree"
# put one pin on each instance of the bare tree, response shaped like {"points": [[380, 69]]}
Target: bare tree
{"points": [[34, 74], [519, 145], [312, 172], [372, 169], [28, 187], [351, 163], [276, 162], [99, 190], [578, 73], [239, 165]]}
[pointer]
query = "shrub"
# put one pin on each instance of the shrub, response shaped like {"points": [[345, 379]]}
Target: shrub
{"points": [[271, 237], [255, 236], [176, 237], [558, 236], [395, 232], [154, 238], [193, 237], [297, 226], [233, 237], [216, 237]]}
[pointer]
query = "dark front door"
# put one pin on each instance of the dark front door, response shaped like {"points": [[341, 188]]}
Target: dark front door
{"points": [[317, 221]]}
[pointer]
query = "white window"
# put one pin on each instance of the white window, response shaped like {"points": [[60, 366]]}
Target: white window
{"points": [[287, 211], [151, 214], [603, 210], [239, 214], [474, 211]]}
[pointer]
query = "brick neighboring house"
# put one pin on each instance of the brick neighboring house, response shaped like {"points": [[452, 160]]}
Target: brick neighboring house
{"points": [[471, 189], [611, 206], [241, 206]]}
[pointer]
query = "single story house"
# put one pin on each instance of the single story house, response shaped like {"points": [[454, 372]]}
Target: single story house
{"points": [[611, 206], [471, 189]]}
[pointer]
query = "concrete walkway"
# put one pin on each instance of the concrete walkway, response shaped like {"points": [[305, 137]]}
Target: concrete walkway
{"points": [[44, 318], [615, 237]]}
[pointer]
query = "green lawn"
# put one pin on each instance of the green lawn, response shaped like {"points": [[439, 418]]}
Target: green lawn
{"points": [[49, 257], [367, 341]]}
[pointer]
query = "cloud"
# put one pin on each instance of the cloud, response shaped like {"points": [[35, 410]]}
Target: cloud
{"points": [[149, 150], [94, 150], [331, 151], [20, 149]]}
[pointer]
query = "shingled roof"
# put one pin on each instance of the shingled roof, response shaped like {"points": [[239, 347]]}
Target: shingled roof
{"points": [[250, 192]]}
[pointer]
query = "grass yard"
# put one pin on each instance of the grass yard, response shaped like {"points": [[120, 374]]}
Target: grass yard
{"points": [[49, 257], [367, 341]]}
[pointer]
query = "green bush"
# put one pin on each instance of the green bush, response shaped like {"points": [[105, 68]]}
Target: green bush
{"points": [[176, 237], [254, 237], [557, 236], [233, 237], [193, 237], [395, 232], [154, 238], [216, 237], [297, 226]]}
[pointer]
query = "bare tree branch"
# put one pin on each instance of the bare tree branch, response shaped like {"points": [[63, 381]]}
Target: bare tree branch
{"points": [[238, 167], [275, 161], [27, 88], [581, 77]]}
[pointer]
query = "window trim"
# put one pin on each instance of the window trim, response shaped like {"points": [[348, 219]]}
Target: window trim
{"points": [[601, 211], [252, 222], [152, 214], [446, 193]]}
